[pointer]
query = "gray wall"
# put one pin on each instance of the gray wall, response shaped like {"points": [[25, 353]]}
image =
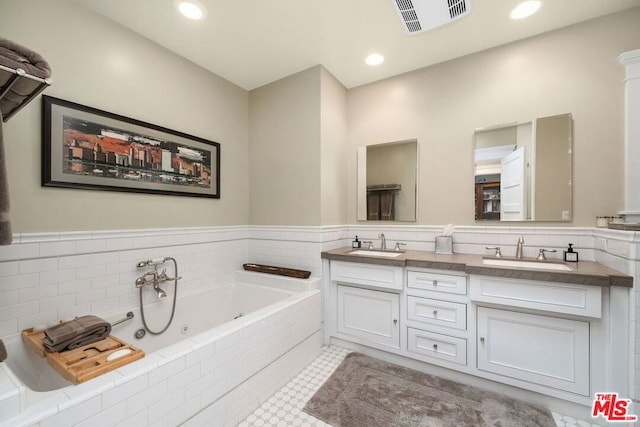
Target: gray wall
{"points": [[333, 140], [284, 171], [289, 148], [572, 70], [298, 168], [98, 63]]}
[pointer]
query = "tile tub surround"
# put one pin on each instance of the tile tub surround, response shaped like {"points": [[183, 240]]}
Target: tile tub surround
{"points": [[46, 276], [198, 375]]}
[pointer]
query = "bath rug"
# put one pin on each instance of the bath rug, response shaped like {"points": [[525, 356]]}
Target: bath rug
{"points": [[368, 392]]}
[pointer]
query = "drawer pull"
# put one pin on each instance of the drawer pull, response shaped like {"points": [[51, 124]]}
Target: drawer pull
{"points": [[435, 347], [435, 283], [435, 313]]}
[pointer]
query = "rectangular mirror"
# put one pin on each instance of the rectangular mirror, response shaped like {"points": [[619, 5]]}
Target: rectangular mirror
{"points": [[522, 171], [388, 181]]}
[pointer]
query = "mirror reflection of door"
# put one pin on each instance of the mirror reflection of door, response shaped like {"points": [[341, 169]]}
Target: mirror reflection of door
{"points": [[512, 186], [534, 185]]}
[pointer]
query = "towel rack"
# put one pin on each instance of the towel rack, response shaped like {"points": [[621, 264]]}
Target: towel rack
{"points": [[9, 77], [129, 317]]}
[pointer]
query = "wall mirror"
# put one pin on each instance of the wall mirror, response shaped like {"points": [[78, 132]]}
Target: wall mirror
{"points": [[387, 181], [522, 171]]}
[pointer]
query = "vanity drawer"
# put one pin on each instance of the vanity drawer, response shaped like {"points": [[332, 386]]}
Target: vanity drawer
{"points": [[436, 312], [437, 346], [565, 298], [437, 282], [370, 275]]}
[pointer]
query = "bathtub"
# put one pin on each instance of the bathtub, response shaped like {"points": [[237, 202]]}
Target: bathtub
{"points": [[225, 352]]}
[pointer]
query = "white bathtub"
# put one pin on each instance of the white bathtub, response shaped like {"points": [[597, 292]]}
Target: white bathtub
{"points": [[220, 343]]}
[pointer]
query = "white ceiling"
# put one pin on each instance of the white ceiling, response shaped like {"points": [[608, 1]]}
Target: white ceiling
{"points": [[255, 42]]}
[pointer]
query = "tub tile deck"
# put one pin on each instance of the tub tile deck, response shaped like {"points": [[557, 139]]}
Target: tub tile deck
{"points": [[284, 408]]}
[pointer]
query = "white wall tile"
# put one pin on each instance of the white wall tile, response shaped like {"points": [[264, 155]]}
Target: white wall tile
{"points": [[107, 418], [125, 391], [74, 414]]}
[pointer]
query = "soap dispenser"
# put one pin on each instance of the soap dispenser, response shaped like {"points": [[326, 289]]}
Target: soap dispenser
{"points": [[570, 255], [356, 244]]}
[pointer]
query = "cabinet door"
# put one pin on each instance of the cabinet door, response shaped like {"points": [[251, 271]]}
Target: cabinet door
{"points": [[371, 315], [539, 349]]}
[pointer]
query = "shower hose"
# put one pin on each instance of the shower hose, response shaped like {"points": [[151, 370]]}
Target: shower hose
{"points": [[173, 308]]}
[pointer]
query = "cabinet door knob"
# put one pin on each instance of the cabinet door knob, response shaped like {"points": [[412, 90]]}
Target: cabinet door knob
{"points": [[395, 321], [482, 340], [435, 313], [435, 283], [435, 347]]}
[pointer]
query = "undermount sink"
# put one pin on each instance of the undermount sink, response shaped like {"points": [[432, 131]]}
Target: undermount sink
{"points": [[542, 265], [369, 252]]}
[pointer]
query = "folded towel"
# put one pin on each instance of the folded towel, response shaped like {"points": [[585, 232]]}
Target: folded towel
{"points": [[5, 225], [15, 56], [76, 333]]}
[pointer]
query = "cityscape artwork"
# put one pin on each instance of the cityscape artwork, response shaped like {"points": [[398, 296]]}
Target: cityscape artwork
{"points": [[88, 148]]}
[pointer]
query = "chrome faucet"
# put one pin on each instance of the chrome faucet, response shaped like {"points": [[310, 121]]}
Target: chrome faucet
{"points": [[519, 247], [384, 241]]}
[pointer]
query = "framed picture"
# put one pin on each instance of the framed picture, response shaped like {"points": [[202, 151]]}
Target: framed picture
{"points": [[83, 147]]}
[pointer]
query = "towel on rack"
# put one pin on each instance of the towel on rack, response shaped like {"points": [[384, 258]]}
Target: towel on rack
{"points": [[76, 333], [14, 93], [15, 56], [5, 225]]}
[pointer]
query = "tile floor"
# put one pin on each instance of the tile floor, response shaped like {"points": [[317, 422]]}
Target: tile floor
{"points": [[284, 408]]}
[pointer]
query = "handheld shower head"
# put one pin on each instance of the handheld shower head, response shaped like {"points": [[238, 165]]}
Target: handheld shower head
{"points": [[153, 261]]}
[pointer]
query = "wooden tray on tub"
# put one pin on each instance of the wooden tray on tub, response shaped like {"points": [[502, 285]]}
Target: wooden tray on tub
{"points": [[84, 363], [282, 271]]}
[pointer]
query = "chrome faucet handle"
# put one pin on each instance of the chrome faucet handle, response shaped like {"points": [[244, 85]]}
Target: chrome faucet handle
{"points": [[370, 243], [498, 253], [398, 244], [142, 280], [163, 276], [541, 256]]}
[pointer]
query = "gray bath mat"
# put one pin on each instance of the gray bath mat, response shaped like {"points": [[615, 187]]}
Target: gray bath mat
{"points": [[368, 392]]}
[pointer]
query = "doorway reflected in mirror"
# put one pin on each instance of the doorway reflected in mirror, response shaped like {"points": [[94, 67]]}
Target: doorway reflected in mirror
{"points": [[522, 171]]}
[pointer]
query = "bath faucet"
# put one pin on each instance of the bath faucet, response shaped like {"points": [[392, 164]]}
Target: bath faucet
{"points": [[519, 247], [153, 278], [143, 280], [384, 241]]}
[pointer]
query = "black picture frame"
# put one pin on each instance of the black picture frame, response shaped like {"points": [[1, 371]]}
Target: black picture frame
{"points": [[87, 148]]}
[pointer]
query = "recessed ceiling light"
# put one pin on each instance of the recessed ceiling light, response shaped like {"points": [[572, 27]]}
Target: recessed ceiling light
{"points": [[374, 59], [525, 9], [191, 9]]}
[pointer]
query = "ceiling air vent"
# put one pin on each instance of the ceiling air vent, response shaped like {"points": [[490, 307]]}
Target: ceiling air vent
{"points": [[422, 15]]}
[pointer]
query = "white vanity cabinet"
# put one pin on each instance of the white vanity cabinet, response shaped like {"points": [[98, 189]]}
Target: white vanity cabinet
{"points": [[537, 332], [544, 350], [436, 317], [558, 339], [367, 303], [370, 315]]}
